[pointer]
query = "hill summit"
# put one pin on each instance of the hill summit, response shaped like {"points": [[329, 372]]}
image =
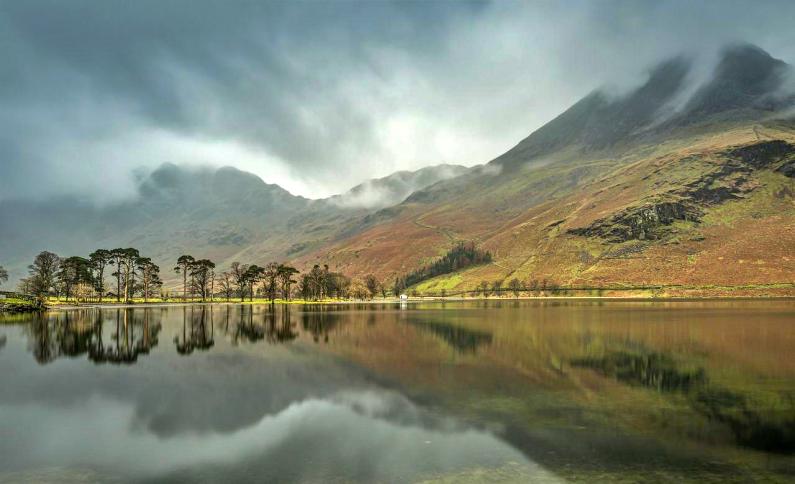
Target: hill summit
{"points": [[747, 84]]}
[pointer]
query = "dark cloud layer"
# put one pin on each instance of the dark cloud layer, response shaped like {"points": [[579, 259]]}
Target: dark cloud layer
{"points": [[318, 96]]}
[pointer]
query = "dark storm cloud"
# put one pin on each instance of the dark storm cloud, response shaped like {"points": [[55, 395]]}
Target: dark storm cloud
{"points": [[317, 96]]}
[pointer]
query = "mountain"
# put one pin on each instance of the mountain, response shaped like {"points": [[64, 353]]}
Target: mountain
{"points": [[746, 86], [678, 181], [670, 183], [393, 189], [222, 214], [597, 121]]}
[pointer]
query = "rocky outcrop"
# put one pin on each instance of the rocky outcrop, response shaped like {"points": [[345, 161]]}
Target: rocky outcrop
{"points": [[640, 222], [729, 180], [787, 169], [761, 155]]}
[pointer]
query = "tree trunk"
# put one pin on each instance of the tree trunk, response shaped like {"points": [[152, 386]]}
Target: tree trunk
{"points": [[101, 283], [118, 282], [131, 289]]}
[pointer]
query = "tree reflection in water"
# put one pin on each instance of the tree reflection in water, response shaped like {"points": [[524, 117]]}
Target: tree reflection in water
{"points": [[275, 326], [245, 329], [461, 339], [318, 321], [120, 336], [200, 335], [282, 331], [75, 333]]}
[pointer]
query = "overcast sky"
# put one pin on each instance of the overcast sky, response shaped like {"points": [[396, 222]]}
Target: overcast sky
{"points": [[318, 96]]}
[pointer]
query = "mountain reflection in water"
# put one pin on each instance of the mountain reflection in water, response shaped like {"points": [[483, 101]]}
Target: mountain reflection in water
{"points": [[515, 391]]}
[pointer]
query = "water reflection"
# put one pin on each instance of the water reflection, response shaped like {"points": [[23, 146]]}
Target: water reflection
{"points": [[318, 320], [770, 431], [121, 335], [115, 337], [595, 392], [645, 368], [279, 326], [461, 339], [197, 331], [246, 328], [251, 324]]}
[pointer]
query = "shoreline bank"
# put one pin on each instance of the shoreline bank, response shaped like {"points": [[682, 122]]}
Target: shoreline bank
{"points": [[70, 306]]}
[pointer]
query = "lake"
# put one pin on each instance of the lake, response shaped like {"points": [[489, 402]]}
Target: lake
{"points": [[498, 391]]}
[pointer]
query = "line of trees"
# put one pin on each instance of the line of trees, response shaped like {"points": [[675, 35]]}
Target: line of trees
{"points": [[134, 275], [277, 280], [516, 287], [273, 281], [81, 278], [280, 281]]}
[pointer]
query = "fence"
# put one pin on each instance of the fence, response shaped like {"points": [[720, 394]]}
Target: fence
{"points": [[561, 290]]}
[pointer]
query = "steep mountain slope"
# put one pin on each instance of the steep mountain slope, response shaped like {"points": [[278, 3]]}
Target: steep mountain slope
{"points": [[648, 188], [748, 83]]}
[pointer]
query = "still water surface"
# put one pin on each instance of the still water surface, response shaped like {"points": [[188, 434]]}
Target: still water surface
{"points": [[547, 391]]}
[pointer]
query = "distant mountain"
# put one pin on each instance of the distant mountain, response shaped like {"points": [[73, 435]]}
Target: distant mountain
{"points": [[393, 189], [217, 213]]}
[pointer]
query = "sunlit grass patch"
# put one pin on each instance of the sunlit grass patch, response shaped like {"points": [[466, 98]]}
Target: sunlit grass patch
{"points": [[445, 282]]}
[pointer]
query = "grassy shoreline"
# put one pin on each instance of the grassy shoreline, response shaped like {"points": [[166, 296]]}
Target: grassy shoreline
{"points": [[669, 293], [106, 305]]}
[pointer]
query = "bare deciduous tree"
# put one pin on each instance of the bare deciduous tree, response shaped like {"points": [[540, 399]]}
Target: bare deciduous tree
{"points": [[239, 277], [43, 272]]}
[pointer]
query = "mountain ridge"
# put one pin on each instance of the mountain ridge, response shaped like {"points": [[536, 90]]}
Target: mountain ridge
{"points": [[220, 212], [506, 204], [745, 78], [547, 208]]}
